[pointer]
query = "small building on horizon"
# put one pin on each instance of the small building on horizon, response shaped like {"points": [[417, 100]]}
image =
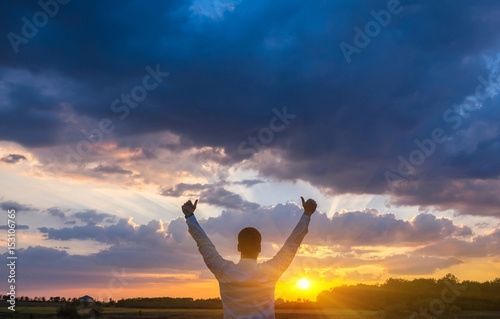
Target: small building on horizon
{"points": [[87, 299]]}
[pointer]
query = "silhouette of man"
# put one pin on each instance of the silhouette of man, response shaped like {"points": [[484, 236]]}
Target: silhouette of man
{"points": [[247, 288]]}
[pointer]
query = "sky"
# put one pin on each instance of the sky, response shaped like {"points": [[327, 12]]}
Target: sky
{"points": [[113, 114]]}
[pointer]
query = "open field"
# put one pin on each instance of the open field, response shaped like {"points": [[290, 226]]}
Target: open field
{"points": [[117, 312]]}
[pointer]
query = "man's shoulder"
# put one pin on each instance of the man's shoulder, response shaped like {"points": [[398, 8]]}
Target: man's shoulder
{"points": [[267, 268], [228, 264]]}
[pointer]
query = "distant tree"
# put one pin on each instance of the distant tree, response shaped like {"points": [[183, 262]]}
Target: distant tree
{"points": [[451, 278]]}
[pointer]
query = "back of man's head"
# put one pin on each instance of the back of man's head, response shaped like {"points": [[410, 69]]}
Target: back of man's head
{"points": [[249, 240]]}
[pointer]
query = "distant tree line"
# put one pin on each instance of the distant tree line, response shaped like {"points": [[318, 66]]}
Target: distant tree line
{"points": [[39, 299], [442, 296]]}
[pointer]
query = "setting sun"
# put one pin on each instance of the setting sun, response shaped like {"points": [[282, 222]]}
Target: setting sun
{"points": [[304, 284]]}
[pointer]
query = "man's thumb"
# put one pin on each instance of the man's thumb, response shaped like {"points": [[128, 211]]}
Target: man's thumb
{"points": [[303, 202], [195, 203]]}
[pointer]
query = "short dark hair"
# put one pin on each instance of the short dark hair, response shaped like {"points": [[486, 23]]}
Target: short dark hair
{"points": [[249, 240]]}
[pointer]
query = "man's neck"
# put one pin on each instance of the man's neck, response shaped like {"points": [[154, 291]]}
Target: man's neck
{"points": [[246, 256]]}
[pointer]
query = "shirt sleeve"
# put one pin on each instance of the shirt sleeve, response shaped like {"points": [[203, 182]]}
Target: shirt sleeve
{"points": [[283, 258], [211, 256]]}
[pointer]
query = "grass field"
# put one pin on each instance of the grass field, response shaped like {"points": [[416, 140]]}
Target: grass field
{"points": [[117, 312]]}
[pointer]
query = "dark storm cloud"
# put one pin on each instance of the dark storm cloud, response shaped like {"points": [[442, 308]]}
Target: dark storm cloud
{"points": [[121, 232], [92, 217], [223, 198], [213, 194], [184, 189], [111, 169], [13, 158], [8, 205], [466, 197], [56, 212], [229, 70]]}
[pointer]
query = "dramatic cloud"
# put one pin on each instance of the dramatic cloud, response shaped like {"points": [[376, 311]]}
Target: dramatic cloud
{"points": [[56, 212], [91, 217], [13, 158], [8, 205], [213, 194], [111, 169], [184, 189], [353, 121], [122, 232], [367, 228], [467, 197], [480, 246], [359, 228]]}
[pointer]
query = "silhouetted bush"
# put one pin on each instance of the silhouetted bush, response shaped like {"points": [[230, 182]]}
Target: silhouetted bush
{"points": [[68, 310]]}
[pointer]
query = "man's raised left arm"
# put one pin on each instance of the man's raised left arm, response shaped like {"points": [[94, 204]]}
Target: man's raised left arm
{"points": [[211, 256]]}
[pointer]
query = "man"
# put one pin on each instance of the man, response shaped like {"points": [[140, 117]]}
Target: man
{"points": [[247, 288]]}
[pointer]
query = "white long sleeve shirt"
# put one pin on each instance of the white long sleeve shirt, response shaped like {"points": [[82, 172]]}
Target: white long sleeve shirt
{"points": [[247, 288]]}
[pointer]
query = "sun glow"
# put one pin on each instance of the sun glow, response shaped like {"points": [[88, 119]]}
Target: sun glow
{"points": [[304, 284]]}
